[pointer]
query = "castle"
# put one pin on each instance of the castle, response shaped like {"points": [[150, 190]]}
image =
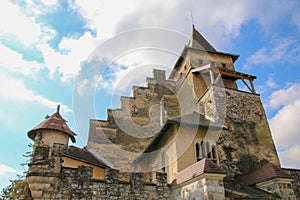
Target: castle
{"points": [[193, 135]]}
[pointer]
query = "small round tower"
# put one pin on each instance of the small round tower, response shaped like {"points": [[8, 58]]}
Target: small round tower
{"points": [[53, 130], [51, 137]]}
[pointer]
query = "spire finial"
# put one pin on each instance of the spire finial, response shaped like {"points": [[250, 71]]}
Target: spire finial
{"points": [[192, 18], [58, 107]]}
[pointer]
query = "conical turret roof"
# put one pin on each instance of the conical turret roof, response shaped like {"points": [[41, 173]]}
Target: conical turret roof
{"points": [[53, 122]]}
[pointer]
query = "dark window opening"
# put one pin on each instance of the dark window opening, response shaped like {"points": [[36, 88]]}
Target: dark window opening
{"points": [[198, 152]]}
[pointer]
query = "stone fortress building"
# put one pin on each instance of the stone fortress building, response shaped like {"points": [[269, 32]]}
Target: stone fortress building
{"points": [[194, 135]]}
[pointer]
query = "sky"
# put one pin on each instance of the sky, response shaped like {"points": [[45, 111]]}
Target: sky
{"points": [[44, 45]]}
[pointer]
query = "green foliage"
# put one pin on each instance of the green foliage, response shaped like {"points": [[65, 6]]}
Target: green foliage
{"points": [[18, 189]]}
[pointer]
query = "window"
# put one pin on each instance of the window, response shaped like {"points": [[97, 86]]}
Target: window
{"points": [[205, 149], [214, 151], [197, 152], [40, 153], [208, 150], [224, 65], [163, 162]]}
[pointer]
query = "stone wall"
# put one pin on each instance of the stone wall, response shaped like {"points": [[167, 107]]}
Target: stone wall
{"points": [[78, 184], [202, 187], [247, 143], [281, 189], [295, 173]]}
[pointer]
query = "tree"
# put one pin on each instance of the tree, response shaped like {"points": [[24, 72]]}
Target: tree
{"points": [[18, 189]]}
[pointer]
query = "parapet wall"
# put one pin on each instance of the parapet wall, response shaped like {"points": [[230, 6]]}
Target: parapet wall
{"points": [[77, 183]]}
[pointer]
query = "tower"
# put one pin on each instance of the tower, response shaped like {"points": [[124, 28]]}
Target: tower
{"points": [[51, 138], [213, 77]]}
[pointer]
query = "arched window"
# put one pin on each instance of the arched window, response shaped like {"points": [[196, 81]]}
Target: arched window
{"points": [[214, 152], [208, 150], [198, 156], [203, 149], [163, 161]]}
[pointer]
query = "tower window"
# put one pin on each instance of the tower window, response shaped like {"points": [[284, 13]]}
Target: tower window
{"points": [[208, 150], [203, 149], [214, 152], [198, 155]]}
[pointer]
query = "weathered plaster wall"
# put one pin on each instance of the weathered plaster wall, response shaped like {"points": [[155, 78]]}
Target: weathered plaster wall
{"points": [[49, 137], [98, 172]]}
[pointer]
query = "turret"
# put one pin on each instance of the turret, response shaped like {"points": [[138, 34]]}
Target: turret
{"points": [[53, 130], [51, 138]]}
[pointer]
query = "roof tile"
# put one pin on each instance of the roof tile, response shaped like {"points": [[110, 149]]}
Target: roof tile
{"points": [[264, 173], [203, 166], [54, 122]]}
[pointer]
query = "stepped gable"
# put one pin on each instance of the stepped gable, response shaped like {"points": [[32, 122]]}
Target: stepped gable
{"points": [[264, 173], [53, 122], [203, 166], [141, 110], [84, 155]]}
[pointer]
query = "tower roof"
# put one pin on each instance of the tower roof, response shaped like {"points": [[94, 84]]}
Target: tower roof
{"points": [[197, 41], [264, 173], [53, 122]]}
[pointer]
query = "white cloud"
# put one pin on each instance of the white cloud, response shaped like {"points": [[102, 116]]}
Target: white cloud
{"points": [[290, 157], [271, 82], [14, 61], [4, 169], [285, 50], [223, 24], [14, 21], [7, 173], [285, 123], [68, 64], [285, 96], [15, 90], [103, 16], [49, 2]]}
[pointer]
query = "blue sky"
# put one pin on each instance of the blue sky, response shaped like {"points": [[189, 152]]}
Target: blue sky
{"points": [[43, 44]]}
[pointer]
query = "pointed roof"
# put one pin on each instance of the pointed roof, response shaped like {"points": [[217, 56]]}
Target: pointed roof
{"points": [[53, 122], [264, 173], [197, 41]]}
